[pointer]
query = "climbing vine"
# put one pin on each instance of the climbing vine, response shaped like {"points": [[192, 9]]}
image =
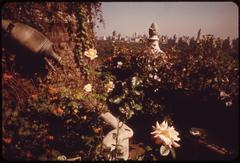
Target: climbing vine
{"points": [[85, 34], [55, 98]]}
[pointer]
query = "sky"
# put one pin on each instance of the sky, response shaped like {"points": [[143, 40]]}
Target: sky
{"points": [[180, 18]]}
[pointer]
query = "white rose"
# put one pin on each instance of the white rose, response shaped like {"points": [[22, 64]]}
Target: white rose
{"points": [[165, 135], [91, 53], [87, 88]]}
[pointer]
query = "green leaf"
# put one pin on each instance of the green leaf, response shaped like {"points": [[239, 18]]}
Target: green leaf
{"points": [[137, 92], [137, 106], [116, 100], [79, 95], [101, 97], [148, 148], [122, 110], [73, 104], [130, 113]]}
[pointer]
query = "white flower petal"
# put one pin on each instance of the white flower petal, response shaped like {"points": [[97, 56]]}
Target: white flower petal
{"points": [[154, 132], [155, 136], [176, 145], [165, 139], [164, 125]]}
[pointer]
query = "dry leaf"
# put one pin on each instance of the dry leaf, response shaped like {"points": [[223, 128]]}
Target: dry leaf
{"points": [[7, 77], [34, 97], [58, 111], [52, 90]]}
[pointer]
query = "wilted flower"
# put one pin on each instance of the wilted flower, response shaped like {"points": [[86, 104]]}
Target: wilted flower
{"points": [[109, 86], [91, 53], [165, 135], [88, 87]]}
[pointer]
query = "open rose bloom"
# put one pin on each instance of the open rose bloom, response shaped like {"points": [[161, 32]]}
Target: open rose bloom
{"points": [[91, 53], [165, 135], [88, 87]]}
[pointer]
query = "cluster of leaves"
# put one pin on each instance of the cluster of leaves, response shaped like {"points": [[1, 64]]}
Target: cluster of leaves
{"points": [[59, 117], [54, 116], [86, 14], [148, 85], [78, 18], [198, 73], [53, 121], [53, 124]]}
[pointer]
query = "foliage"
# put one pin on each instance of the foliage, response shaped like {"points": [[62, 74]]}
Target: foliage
{"points": [[196, 73], [56, 117], [46, 115]]}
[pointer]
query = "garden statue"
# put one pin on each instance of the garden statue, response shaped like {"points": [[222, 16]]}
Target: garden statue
{"points": [[154, 39], [30, 39], [119, 136]]}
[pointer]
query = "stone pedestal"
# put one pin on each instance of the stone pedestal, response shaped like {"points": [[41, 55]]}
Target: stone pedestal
{"points": [[120, 135], [153, 39]]}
